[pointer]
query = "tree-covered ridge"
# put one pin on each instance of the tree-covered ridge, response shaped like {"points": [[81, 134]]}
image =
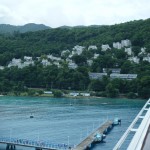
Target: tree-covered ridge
{"points": [[55, 41], [30, 27]]}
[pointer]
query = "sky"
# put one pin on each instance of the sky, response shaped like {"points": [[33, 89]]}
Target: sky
{"points": [[55, 13]]}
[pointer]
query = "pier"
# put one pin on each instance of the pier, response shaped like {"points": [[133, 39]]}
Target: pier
{"points": [[86, 143], [89, 140]]}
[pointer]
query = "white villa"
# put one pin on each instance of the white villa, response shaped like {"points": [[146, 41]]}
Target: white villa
{"points": [[146, 58], [105, 47], [15, 62], [1, 67], [65, 52], [128, 51], [134, 59], [54, 58], [142, 51], [117, 45], [78, 50], [92, 47], [45, 62], [95, 56], [89, 62], [72, 65], [27, 58], [20, 64], [126, 43], [27, 63]]}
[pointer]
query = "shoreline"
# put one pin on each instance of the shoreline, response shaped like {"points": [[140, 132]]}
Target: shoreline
{"points": [[74, 97]]}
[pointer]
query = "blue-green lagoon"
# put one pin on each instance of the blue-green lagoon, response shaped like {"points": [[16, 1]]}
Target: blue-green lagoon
{"points": [[64, 120]]}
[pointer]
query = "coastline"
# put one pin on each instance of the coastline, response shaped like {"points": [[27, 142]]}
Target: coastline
{"points": [[71, 97]]}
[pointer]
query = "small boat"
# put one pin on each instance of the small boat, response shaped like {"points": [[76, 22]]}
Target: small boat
{"points": [[31, 116], [104, 103], [117, 121], [99, 137]]}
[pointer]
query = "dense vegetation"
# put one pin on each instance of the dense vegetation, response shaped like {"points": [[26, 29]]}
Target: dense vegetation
{"points": [[53, 41]]}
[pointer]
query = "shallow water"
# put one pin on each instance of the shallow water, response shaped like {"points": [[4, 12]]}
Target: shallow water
{"points": [[64, 120]]}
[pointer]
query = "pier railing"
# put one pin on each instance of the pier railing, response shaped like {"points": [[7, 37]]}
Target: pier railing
{"points": [[131, 127], [36, 144]]}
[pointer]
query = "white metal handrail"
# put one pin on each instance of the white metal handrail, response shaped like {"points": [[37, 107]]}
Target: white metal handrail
{"points": [[138, 139], [130, 128]]}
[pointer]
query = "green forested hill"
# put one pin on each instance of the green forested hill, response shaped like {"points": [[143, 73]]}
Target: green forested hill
{"points": [[58, 39], [54, 41], [10, 29]]}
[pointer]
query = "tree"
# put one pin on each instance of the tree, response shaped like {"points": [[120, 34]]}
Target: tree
{"points": [[144, 87], [57, 93], [111, 91], [131, 95], [79, 59], [97, 85], [126, 67]]}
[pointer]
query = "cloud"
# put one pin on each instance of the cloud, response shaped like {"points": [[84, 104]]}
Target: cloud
{"points": [[8, 16], [72, 12]]}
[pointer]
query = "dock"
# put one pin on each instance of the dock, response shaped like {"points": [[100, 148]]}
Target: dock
{"points": [[89, 140]]}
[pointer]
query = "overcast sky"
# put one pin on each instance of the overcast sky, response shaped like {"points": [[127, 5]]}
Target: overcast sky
{"points": [[56, 13]]}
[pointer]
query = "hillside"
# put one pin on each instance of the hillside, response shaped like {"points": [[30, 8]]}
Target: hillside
{"points": [[6, 28], [56, 40], [65, 57]]}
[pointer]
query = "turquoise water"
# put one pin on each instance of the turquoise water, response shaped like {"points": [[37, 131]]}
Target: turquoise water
{"points": [[64, 120]]}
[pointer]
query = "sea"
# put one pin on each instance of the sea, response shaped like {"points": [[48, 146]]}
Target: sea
{"points": [[65, 120]]}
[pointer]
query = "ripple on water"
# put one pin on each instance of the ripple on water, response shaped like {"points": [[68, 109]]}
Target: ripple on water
{"points": [[55, 119]]}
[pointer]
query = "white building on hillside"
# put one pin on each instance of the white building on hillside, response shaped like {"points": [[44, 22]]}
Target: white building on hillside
{"points": [[143, 52], [134, 59], [146, 58], [96, 75], [56, 63], [72, 65], [92, 47], [113, 70], [27, 63], [77, 50], [63, 53], [45, 62], [95, 56], [117, 45], [123, 76], [105, 47], [90, 62], [54, 58], [27, 58], [128, 51], [1, 67], [15, 62], [126, 43]]}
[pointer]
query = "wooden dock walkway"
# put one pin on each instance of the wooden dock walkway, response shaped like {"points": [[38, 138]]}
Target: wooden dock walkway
{"points": [[87, 142]]}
